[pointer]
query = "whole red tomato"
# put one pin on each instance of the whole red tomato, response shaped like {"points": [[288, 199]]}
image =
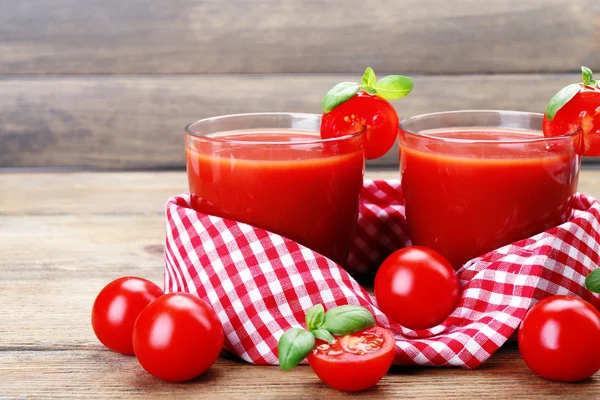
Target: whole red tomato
{"points": [[559, 338], [417, 287], [364, 111], [177, 337], [354, 362], [116, 308]]}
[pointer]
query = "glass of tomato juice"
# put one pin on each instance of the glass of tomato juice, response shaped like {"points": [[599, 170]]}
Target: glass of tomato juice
{"points": [[474, 181], [273, 171]]}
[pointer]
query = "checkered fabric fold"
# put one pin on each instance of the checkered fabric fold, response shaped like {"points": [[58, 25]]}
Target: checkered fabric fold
{"points": [[260, 284]]}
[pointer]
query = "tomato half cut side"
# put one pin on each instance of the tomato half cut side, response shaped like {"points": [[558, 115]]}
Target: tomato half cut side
{"points": [[376, 116], [354, 362]]}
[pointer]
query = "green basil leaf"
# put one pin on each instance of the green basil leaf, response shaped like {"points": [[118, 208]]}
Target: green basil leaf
{"points": [[592, 282], [347, 319], [369, 78], [315, 317], [339, 94], [323, 335], [560, 99], [587, 76], [393, 87], [294, 345]]}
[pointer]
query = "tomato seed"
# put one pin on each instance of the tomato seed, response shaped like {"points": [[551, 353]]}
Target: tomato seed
{"points": [[323, 347], [335, 352]]}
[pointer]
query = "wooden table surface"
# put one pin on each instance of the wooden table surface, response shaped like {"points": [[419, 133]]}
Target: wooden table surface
{"points": [[64, 235]]}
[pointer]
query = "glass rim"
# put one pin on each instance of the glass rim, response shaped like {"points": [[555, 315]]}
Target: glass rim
{"points": [[222, 140], [480, 141]]}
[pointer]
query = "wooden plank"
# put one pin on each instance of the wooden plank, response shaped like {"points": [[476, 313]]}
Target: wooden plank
{"points": [[109, 224], [108, 235], [313, 36], [140, 195], [48, 306], [99, 373], [137, 122], [59, 243], [102, 193]]}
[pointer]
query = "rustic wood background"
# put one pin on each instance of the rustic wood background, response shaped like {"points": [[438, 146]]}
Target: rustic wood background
{"points": [[110, 84]]}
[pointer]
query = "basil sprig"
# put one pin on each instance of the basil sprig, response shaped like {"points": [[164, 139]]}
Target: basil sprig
{"points": [[339, 94], [391, 87], [296, 343], [323, 334], [315, 317], [344, 320], [293, 347], [565, 94]]}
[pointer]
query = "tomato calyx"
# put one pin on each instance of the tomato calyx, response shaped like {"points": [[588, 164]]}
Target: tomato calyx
{"points": [[567, 93], [296, 343], [391, 87]]}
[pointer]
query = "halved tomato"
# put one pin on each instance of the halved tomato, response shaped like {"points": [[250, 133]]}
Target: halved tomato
{"points": [[354, 362]]}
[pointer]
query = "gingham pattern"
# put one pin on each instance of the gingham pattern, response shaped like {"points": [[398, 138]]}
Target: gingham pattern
{"points": [[260, 284]]}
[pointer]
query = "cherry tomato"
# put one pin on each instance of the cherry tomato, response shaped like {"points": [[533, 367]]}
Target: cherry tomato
{"points": [[364, 111], [116, 309], [177, 337], [417, 287], [559, 338], [581, 115], [356, 361]]}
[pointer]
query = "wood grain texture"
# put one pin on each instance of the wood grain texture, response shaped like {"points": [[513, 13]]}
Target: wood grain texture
{"points": [[137, 122], [63, 236], [98, 194], [94, 372], [289, 36]]}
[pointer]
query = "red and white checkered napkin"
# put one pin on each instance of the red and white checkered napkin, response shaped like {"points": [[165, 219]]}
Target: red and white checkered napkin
{"points": [[260, 284]]}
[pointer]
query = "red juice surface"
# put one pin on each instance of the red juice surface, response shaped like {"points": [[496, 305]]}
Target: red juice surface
{"points": [[466, 200], [306, 192]]}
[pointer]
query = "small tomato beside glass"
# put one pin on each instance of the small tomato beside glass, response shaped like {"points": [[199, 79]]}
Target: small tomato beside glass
{"points": [[356, 361], [177, 337], [558, 339], [116, 308], [417, 287]]}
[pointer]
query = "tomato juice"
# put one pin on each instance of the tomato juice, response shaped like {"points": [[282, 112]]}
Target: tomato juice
{"points": [[470, 191], [286, 181]]}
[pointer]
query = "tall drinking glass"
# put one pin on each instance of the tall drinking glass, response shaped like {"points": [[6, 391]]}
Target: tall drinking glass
{"points": [[474, 181], [275, 172]]}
